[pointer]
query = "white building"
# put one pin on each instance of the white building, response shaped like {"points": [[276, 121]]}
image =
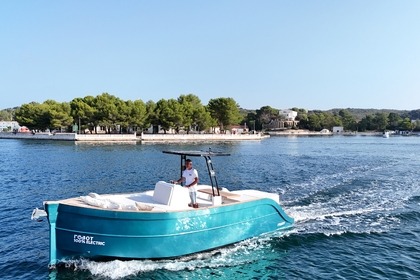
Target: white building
{"points": [[338, 129], [289, 115], [9, 126], [287, 120]]}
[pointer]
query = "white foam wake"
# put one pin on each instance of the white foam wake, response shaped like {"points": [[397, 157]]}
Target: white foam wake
{"points": [[248, 251]]}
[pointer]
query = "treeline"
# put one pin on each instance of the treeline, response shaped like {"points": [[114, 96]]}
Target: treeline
{"points": [[379, 121], [115, 115], [318, 120], [187, 113]]}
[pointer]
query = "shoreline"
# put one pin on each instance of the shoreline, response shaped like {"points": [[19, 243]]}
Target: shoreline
{"points": [[176, 138], [301, 132], [171, 138], [144, 138]]}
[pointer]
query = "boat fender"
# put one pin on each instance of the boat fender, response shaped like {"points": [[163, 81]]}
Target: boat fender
{"points": [[37, 214]]}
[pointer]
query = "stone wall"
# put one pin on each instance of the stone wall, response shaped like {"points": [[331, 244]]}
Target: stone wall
{"points": [[69, 136], [199, 137], [39, 136]]}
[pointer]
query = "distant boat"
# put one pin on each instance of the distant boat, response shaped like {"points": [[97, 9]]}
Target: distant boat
{"points": [[159, 223], [385, 134]]}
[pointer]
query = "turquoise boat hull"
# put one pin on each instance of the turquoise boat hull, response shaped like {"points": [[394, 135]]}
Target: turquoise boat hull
{"points": [[99, 233]]}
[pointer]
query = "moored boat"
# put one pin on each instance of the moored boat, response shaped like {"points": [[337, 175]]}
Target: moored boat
{"points": [[159, 223]]}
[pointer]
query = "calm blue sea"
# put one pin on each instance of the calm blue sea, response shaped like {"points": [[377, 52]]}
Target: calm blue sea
{"points": [[355, 200]]}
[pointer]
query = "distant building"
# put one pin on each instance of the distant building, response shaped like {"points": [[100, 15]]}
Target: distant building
{"points": [[238, 129], [287, 119], [9, 126], [338, 129], [23, 129], [289, 115], [155, 129]]}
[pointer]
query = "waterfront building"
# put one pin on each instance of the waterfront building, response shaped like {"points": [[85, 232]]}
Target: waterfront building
{"points": [[9, 126]]}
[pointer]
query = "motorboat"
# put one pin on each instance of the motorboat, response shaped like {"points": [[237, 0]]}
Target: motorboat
{"points": [[159, 223]]}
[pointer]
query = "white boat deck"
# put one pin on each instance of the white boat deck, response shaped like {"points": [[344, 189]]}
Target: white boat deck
{"points": [[166, 197]]}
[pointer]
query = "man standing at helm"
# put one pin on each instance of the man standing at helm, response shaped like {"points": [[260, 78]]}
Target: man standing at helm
{"points": [[190, 177]]}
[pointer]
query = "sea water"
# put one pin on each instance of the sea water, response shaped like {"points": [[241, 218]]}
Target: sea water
{"points": [[355, 201]]}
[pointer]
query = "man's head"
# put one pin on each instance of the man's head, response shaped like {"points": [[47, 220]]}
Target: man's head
{"points": [[188, 164]]}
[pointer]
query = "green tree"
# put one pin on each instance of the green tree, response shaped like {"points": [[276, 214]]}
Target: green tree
{"points": [[347, 120], [366, 123], [203, 119], [48, 115], [330, 120], [176, 116], [33, 115], [169, 114], [58, 115], [251, 120], [123, 119], [137, 114], [394, 121], [380, 121], [414, 114], [6, 115], [106, 113], [406, 124], [302, 117], [225, 111], [318, 120], [151, 115], [416, 125], [265, 115], [194, 113], [28, 115], [84, 112], [315, 122]]}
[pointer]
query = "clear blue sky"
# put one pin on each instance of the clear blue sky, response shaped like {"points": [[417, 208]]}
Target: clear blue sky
{"points": [[307, 54]]}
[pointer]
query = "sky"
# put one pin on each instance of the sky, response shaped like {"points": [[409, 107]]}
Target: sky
{"points": [[316, 55]]}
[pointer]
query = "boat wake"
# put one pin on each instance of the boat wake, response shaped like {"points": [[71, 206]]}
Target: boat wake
{"points": [[347, 202], [245, 252]]}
